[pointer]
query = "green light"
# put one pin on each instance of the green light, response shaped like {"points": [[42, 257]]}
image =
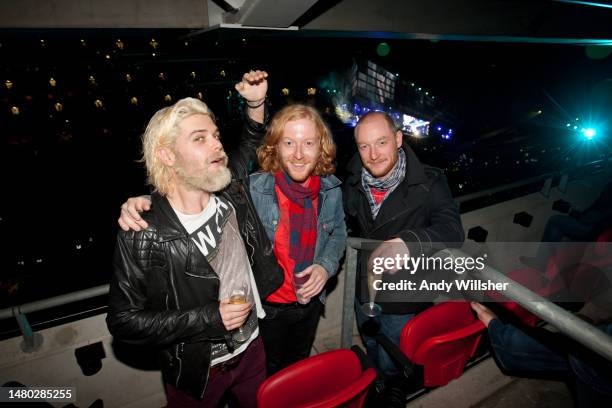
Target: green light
{"points": [[383, 49], [598, 51]]}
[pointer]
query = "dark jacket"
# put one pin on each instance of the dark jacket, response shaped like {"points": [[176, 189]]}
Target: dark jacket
{"points": [[164, 292], [420, 211]]}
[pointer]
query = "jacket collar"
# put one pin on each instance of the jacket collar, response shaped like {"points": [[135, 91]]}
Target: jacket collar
{"points": [[263, 182], [169, 227], [415, 171]]}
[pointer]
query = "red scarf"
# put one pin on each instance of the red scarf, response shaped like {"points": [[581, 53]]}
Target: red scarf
{"points": [[302, 218]]}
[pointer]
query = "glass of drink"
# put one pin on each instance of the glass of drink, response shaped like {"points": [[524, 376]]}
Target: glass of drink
{"points": [[238, 296], [370, 308], [297, 284]]}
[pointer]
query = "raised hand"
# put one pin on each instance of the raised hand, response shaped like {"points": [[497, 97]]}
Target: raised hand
{"points": [[253, 87]]}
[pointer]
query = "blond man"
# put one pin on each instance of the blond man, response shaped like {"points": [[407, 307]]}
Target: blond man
{"points": [[201, 241]]}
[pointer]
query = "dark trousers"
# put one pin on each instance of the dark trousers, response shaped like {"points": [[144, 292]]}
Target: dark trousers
{"points": [[550, 355], [243, 381], [288, 332]]}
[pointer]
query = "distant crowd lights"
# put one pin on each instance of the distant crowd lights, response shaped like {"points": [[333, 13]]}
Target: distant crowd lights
{"points": [[350, 114]]}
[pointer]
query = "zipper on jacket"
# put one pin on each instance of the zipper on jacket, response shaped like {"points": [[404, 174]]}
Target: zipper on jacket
{"points": [[253, 212], [176, 302], [207, 371], [201, 277], [180, 363]]}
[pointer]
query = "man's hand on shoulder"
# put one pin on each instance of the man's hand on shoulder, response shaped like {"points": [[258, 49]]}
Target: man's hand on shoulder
{"points": [[130, 213]]}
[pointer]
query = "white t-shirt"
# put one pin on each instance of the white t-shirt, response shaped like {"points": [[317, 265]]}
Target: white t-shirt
{"points": [[228, 258]]}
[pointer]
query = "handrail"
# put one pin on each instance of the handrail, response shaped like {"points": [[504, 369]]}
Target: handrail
{"points": [[54, 301], [564, 321]]}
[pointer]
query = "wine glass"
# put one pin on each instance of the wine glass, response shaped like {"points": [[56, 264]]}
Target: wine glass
{"points": [[370, 308], [238, 296]]}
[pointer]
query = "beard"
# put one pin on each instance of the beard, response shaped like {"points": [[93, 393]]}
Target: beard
{"points": [[203, 177], [382, 172], [298, 176]]}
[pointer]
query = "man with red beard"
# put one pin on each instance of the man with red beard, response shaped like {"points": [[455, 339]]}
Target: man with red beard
{"points": [[299, 202], [175, 283]]}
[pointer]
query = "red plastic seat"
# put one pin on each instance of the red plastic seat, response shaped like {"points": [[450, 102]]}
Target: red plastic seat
{"points": [[564, 272], [602, 248], [442, 339], [330, 379]]}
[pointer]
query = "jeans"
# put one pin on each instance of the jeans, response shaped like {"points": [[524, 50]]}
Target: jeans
{"points": [[391, 325], [288, 332], [517, 352], [551, 355]]}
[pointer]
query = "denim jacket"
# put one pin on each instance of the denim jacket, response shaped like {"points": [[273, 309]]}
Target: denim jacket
{"points": [[331, 229]]}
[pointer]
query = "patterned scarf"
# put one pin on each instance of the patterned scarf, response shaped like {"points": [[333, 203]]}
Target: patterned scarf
{"points": [[302, 218], [389, 184]]}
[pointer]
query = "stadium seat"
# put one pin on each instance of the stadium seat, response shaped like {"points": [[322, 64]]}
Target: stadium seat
{"points": [[441, 339], [331, 379]]}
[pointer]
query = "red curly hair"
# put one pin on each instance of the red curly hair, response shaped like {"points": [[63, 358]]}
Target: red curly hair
{"points": [[267, 153]]}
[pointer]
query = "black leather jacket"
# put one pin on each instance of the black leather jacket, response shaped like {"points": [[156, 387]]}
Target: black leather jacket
{"points": [[163, 291]]}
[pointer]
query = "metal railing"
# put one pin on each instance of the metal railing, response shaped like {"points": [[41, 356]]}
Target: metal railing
{"points": [[567, 323], [32, 340], [563, 320]]}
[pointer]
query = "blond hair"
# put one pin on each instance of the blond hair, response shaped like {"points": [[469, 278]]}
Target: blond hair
{"points": [[268, 155], [162, 131]]}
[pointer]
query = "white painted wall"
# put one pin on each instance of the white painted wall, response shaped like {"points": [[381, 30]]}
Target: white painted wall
{"points": [[55, 365]]}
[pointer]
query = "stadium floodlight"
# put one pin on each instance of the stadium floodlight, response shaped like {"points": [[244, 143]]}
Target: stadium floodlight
{"points": [[589, 133]]}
